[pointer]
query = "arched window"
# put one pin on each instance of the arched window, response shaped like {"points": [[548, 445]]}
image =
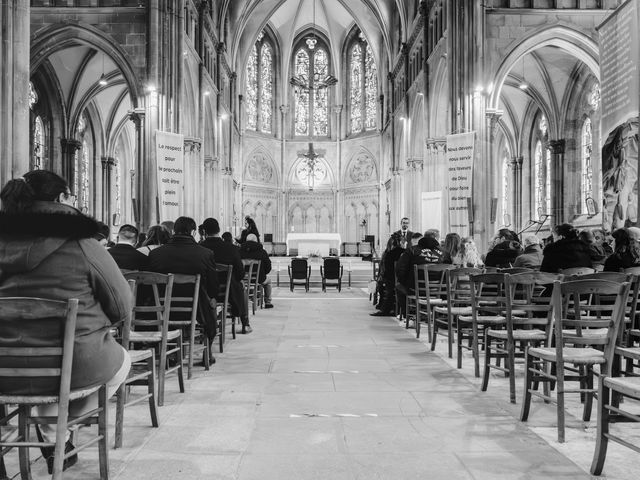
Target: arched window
{"points": [[311, 96], [542, 172], [587, 167], [82, 169], [259, 86], [539, 175], [38, 144], [506, 190], [363, 86], [85, 190]]}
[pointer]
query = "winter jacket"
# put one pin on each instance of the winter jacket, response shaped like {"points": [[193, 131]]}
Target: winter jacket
{"points": [[531, 258], [49, 253], [254, 251], [565, 253], [503, 254]]}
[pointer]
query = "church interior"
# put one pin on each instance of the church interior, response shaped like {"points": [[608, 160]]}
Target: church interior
{"points": [[333, 119]]}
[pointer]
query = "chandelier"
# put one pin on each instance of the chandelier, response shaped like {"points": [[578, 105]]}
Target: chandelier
{"points": [[300, 81]]}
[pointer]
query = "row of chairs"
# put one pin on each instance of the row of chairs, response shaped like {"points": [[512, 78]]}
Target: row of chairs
{"points": [[560, 325], [155, 327]]}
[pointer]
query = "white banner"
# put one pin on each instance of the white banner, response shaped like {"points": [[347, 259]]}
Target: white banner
{"points": [[460, 174], [170, 155]]}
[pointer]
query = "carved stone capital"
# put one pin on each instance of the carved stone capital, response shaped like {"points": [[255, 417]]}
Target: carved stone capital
{"points": [[415, 164], [136, 116], [227, 171], [192, 145], [556, 147], [337, 109], [70, 145], [210, 163]]}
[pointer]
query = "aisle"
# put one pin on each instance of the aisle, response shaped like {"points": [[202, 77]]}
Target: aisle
{"points": [[321, 390]]}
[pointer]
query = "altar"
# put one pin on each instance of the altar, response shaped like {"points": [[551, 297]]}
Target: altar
{"points": [[313, 244]]}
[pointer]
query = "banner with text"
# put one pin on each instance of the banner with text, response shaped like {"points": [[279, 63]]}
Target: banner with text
{"points": [[170, 155], [620, 104], [460, 174]]}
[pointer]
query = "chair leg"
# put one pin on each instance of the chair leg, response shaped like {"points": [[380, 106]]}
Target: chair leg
{"points": [[23, 453], [560, 402], [121, 400], [450, 335], [588, 401], [103, 434], [434, 333], [162, 372], [511, 365], [417, 319], [475, 349], [459, 344], [152, 389], [180, 364], [528, 381], [192, 343], [602, 439], [487, 362]]}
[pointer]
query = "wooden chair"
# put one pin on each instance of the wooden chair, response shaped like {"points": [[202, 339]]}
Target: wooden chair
{"points": [[611, 409], [458, 303], [579, 326], [528, 322], [299, 273], [515, 270], [436, 276], [488, 310], [252, 287], [331, 270], [225, 273], [183, 315], [168, 342], [143, 372], [567, 272], [31, 313]]}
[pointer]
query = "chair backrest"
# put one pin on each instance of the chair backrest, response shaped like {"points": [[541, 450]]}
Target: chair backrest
{"points": [[459, 285], [436, 276], [162, 288], [577, 271], [488, 294], [332, 268], [575, 318], [514, 270], [184, 299], [364, 248], [528, 304], [225, 273], [299, 268], [28, 315]]}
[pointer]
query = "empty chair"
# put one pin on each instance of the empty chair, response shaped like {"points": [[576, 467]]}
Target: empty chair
{"points": [[252, 286], [46, 354], [143, 372], [436, 277], [364, 249], [169, 342], [331, 272], [350, 249], [299, 273], [225, 273], [585, 333]]}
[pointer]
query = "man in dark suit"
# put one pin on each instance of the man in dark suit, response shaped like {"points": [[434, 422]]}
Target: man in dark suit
{"points": [[404, 232], [183, 255], [228, 254], [125, 253]]}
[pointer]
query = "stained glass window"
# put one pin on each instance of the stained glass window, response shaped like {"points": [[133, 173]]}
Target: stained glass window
{"points": [[251, 94], [312, 102], [118, 186], [259, 86], [33, 96], [539, 180], [594, 96], [587, 167], [363, 87], [83, 204], [266, 92], [506, 187], [38, 143]]}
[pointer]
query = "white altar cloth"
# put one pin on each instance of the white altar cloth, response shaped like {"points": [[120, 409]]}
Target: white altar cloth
{"points": [[313, 243]]}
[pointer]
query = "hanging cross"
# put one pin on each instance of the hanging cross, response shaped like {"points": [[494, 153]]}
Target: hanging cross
{"points": [[312, 164]]}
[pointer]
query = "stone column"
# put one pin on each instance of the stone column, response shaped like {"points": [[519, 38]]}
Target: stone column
{"points": [[193, 174], [14, 89], [211, 186], [558, 214], [282, 203], [69, 148], [138, 119], [516, 191], [413, 187], [339, 212], [107, 174]]}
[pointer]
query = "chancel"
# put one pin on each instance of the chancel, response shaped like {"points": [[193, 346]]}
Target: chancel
{"points": [[242, 143]]}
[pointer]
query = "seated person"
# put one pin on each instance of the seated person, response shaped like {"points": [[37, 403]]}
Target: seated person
{"points": [[183, 255], [470, 254], [387, 276], [625, 255], [124, 251], [413, 255], [532, 256], [49, 251], [228, 254], [598, 255], [506, 247], [252, 250], [566, 251]]}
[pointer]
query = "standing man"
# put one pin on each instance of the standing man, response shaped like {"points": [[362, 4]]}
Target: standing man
{"points": [[404, 232], [183, 255], [124, 252], [228, 254]]}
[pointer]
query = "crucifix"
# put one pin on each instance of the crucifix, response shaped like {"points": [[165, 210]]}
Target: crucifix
{"points": [[310, 168]]}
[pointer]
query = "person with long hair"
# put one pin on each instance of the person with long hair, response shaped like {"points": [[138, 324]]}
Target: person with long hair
{"points": [[156, 236], [49, 251], [451, 249], [469, 254], [625, 254], [250, 227]]}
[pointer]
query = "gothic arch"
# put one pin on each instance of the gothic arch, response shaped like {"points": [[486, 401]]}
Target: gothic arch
{"points": [[259, 168], [71, 33], [361, 168]]}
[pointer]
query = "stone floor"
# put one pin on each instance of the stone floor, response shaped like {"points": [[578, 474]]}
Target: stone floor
{"points": [[321, 390]]}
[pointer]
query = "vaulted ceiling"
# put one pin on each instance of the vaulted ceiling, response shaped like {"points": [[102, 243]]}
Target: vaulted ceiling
{"points": [[333, 18]]}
